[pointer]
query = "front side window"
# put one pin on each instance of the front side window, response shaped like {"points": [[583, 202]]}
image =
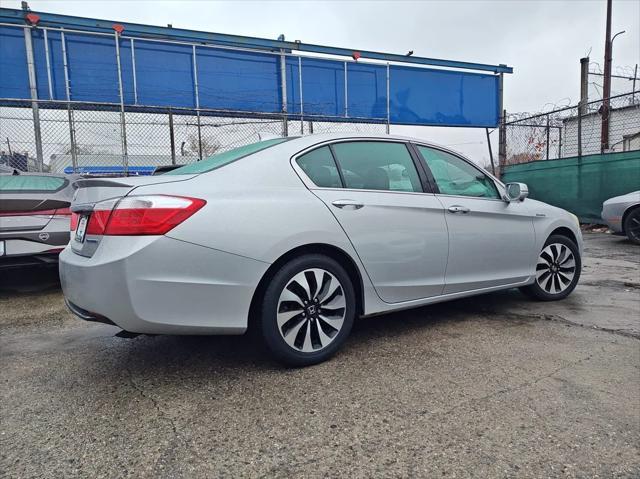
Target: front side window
{"points": [[320, 167], [221, 159], [377, 165], [454, 176]]}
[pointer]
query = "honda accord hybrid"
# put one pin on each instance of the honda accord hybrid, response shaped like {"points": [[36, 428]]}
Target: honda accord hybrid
{"points": [[296, 237]]}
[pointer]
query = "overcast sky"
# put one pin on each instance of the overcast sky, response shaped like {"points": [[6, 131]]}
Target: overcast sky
{"points": [[542, 40]]}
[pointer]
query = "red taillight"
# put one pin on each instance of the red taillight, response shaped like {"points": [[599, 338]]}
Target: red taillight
{"points": [[142, 215], [74, 221], [98, 222]]}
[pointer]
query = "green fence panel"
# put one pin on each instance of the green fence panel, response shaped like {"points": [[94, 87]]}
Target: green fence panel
{"points": [[579, 185]]}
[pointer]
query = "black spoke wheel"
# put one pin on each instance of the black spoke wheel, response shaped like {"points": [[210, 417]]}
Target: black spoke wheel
{"points": [[308, 310], [632, 226], [557, 270]]}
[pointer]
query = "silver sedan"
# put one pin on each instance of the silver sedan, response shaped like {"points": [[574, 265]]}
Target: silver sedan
{"points": [[297, 237], [622, 214]]}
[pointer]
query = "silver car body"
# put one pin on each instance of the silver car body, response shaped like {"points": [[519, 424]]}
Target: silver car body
{"points": [[614, 209], [200, 277]]}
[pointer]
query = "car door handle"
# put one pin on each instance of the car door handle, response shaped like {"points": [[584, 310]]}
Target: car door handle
{"points": [[459, 209], [347, 204]]}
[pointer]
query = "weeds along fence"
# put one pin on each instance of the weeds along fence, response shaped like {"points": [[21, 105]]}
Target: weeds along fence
{"points": [[100, 137], [572, 131]]}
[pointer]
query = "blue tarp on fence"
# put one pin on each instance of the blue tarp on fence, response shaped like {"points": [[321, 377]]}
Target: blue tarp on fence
{"points": [[247, 81]]}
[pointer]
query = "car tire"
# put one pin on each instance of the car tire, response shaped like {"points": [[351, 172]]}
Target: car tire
{"points": [[557, 270], [307, 311], [632, 226]]}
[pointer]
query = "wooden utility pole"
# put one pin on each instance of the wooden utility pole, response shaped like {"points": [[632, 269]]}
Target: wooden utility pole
{"points": [[606, 90]]}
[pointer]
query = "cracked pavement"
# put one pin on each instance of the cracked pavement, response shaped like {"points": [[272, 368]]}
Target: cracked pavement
{"points": [[491, 386]]}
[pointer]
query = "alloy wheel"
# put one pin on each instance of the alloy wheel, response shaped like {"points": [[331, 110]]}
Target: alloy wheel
{"points": [[556, 268], [311, 310], [633, 227]]}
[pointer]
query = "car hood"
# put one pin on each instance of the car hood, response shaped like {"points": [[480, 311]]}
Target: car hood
{"points": [[633, 197]]}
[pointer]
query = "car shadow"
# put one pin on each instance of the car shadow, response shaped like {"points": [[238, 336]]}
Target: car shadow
{"points": [[164, 354], [29, 279]]}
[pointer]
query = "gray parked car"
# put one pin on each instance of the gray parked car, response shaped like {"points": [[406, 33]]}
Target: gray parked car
{"points": [[34, 217], [622, 214], [296, 237]]}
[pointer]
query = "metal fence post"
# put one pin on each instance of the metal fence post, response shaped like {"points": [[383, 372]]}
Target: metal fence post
{"points": [[502, 141], [346, 92], [47, 57], [493, 166], [123, 124], [301, 100], [580, 109], [560, 142], [31, 66], [67, 90], [133, 71], [547, 132], [197, 92], [172, 138], [388, 102], [283, 89], [72, 139]]}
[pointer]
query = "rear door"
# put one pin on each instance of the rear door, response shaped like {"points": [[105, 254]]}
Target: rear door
{"points": [[376, 191], [490, 241]]}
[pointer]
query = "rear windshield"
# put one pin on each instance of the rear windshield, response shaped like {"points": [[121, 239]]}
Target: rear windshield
{"points": [[30, 183], [221, 159]]}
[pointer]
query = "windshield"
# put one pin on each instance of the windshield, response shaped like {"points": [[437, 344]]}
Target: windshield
{"points": [[221, 159]]}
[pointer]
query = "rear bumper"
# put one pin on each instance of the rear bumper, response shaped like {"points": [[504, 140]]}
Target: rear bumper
{"points": [[159, 285]]}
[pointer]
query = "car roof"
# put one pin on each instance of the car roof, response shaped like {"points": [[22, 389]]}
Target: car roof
{"points": [[319, 137], [302, 142]]}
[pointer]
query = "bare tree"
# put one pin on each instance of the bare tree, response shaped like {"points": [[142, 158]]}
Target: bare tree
{"points": [[209, 147]]}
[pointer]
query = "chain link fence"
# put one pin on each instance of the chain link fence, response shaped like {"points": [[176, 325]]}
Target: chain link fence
{"points": [[103, 139], [572, 131]]}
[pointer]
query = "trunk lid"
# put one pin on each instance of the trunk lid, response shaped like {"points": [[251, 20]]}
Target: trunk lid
{"points": [[29, 213]]}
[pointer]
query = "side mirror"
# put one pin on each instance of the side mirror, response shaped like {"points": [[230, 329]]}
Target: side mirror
{"points": [[515, 192]]}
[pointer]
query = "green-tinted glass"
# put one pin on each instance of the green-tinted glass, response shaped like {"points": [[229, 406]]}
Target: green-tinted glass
{"points": [[377, 165], [221, 159], [320, 167], [454, 176], [30, 183]]}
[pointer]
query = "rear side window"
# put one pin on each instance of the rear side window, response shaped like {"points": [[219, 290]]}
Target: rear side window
{"points": [[377, 165], [31, 184], [221, 159], [320, 168]]}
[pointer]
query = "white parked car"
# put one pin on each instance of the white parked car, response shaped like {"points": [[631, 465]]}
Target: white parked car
{"points": [[622, 214], [297, 237]]}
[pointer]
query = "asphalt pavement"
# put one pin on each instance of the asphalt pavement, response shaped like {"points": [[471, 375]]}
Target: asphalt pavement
{"points": [[491, 386]]}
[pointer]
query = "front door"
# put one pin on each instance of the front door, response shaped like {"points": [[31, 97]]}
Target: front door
{"points": [[490, 240], [397, 229]]}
